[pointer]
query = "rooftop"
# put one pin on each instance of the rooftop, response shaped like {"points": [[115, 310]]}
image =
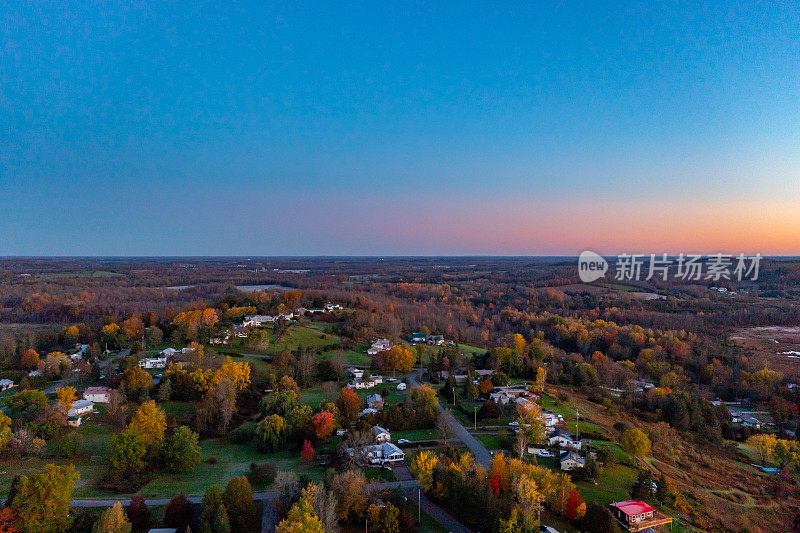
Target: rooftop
{"points": [[633, 507]]}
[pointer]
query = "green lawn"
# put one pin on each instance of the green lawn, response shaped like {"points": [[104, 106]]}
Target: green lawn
{"points": [[548, 403], [415, 435], [491, 442], [301, 336], [614, 485], [232, 460]]}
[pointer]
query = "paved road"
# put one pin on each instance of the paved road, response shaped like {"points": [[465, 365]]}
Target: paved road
{"points": [[414, 493], [482, 455]]}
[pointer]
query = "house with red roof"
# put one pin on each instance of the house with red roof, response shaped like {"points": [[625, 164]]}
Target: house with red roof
{"points": [[636, 515]]}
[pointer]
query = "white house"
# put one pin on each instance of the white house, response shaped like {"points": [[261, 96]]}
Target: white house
{"points": [[368, 411], [80, 407], [97, 394], [564, 439], [356, 372], [401, 386], [331, 307], [380, 345], [381, 435], [5, 384], [168, 352], [153, 362], [258, 320], [386, 452], [551, 420]]}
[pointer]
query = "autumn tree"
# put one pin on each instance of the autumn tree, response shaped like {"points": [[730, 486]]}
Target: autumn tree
{"points": [[541, 377], [113, 520], [576, 507], [138, 513], [30, 359], [324, 423], [133, 327], [151, 422], [307, 452], [66, 396], [178, 512], [764, 444], [42, 500], [383, 518], [136, 381], [302, 518], [635, 442], [182, 450], [423, 466], [238, 500], [349, 405], [349, 487]]}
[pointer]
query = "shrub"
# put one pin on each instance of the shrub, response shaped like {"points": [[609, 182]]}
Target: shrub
{"points": [[244, 433], [263, 474]]}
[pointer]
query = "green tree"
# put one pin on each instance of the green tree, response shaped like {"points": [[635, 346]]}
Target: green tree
{"points": [[270, 433], [42, 500], [113, 520], [213, 514], [128, 450], [182, 450], [635, 442], [238, 500]]}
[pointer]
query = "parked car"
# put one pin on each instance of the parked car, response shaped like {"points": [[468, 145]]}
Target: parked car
{"points": [[403, 441]]}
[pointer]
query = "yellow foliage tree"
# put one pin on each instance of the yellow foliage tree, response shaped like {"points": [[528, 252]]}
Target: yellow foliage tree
{"points": [[422, 466], [237, 372], [302, 518], [150, 422], [66, 396]]}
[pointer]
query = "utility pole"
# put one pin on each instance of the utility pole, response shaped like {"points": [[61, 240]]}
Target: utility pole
{"points": [[577, 421], [476, 417], [419, 506], [454, 396]]}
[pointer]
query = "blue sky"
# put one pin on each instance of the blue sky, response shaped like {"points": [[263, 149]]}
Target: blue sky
{"points": [[441, 128]]}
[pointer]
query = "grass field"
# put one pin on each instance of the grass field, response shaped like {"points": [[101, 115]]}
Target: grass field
{"points": [[614, 485]]}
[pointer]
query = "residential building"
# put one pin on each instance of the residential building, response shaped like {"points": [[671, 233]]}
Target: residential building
{"points": [[5, 384], [153, 362], [436, 340], [381, 435], [636, 515], [383, 453], [564, 439], [168, 352], [571, 460], [258, 320], [375, 401], [80, 407], [380, 345], [331, 307], [74, 421], [97, 394], [551, 420], [418, 337]]}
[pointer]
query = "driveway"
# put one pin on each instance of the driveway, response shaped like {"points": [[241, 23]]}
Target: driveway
{"points": [[482, 455]]}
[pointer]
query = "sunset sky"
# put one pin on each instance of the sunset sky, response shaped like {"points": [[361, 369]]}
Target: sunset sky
{"points": [[448, 128]]}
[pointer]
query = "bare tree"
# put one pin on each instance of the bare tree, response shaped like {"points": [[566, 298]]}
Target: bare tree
{"points": [[443, 426], [520, 444]]}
